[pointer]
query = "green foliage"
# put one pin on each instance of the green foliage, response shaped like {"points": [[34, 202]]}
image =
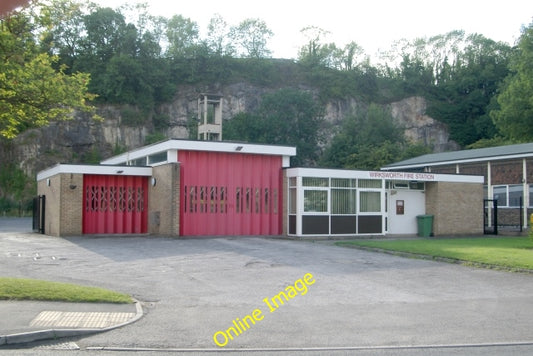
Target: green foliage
{"points": [[490, 142], [93, 156], [119, 149], [131, 117], [160, 121], [16, 190], [369, 139], [182, 34], [506, 252], [514, 117], [154, 137], [32, 91], [285, 117], [251, 37], [192, 128], [32, 289], [135, 59], [458, 74]]}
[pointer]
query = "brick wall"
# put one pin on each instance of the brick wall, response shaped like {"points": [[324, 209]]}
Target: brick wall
{"points": [[164, 200], [457, 208], [506, 172], [51, 189], [71, 204], [64, 204]]}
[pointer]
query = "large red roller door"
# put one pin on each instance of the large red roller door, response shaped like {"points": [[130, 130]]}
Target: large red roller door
{"points": [[230, 194], [114, 204]]}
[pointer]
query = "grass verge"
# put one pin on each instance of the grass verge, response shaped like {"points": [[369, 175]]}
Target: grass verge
{"points": [[31, 289], [514, 253]]}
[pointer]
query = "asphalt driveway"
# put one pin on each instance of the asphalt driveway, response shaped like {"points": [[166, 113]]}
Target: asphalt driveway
{"points": [[194, 288]]}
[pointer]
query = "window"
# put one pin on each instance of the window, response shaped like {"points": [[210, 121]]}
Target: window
{"points": [[315, 182], [157, 158], [416, 185], [509, 195], [257, 200], [138, 162], [499, 193], [343, 201], [292, 182], [316, 201], [370, 202], [369, 183], [223, 200], [516, 192], [292, 200], [266, 201], [343, 183]]}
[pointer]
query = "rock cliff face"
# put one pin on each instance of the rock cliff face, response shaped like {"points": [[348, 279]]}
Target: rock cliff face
{"points": [[84, 140], [410, 115]]}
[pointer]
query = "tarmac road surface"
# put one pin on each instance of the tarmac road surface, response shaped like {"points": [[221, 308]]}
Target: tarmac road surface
{"points": [[193, 288]]}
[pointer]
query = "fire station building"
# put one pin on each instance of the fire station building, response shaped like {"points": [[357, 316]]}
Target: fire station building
{"points": [[213, 188]]}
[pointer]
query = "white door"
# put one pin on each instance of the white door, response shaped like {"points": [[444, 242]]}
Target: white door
{"points": [[404, 206]]}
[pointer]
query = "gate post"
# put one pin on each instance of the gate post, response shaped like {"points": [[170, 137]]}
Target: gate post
{"points": [[495, 204], [39, 203]]}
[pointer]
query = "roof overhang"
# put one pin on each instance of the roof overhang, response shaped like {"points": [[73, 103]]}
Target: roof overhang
{"points": [[457, 161], [92, 169], [215, 146]]}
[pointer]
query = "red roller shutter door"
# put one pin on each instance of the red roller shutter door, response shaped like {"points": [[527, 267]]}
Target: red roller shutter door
{"points": [[230, 194], [115, 204]]}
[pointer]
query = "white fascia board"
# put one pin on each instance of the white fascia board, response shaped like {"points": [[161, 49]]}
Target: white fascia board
{"points": [[407, 176], [90, 169], [215, 146]]}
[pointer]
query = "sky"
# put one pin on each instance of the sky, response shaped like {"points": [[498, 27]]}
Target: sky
{"points": [[372, 24]]}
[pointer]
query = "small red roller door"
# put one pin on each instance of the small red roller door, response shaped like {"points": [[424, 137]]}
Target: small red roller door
{"points": [[115, 204]]}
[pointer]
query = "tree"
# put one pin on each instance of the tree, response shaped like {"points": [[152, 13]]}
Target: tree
{"points": [[16, 188], [182, 35], [32, 92], [514, 118], [105, 29], [252, 36], [463, 95], [368, 139], [315, 53], [348, 57], [63, 26], [218, 37], [285, 117]]}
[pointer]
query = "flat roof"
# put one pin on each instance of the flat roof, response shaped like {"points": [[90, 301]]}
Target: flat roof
{"points": [[215, 146], [94, 169], [407, 176], [465, 156]]}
